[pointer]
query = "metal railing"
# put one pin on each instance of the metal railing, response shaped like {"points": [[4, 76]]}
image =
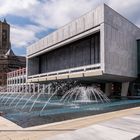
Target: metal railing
{"points": [[68, 71]]}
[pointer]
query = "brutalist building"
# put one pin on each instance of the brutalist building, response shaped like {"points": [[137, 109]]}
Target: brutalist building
{"points": [[101, 47]]}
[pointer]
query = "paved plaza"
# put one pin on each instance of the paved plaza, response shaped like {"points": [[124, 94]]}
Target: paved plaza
{"points": [[117, 125]]}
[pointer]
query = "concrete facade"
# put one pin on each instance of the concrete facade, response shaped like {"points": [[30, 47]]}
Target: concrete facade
{"points": [[118, 48], [120, 37]]}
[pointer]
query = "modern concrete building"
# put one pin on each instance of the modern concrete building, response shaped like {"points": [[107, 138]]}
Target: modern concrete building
{"points": [[100, 46]]}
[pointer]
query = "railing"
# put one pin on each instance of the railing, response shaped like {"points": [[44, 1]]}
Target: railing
{"points": [[68, 71]]}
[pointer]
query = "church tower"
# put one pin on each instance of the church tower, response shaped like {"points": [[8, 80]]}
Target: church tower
{"points": [[4, 37], [8, 60]]}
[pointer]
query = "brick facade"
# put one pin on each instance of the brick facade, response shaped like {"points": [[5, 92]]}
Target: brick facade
{"points": [[8, 60]]}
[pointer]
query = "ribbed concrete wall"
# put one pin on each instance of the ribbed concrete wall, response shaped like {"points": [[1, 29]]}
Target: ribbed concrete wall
{"points": [[120, 44], [85, 22]]}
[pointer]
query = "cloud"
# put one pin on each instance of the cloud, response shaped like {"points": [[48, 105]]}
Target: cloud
{"points": [[129, 9], [56, 13], [46, 14], [43, 14], [23, 36], [16, 7]]}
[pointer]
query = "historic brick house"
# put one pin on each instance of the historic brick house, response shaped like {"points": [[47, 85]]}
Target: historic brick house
{"points": [[8, 60]]}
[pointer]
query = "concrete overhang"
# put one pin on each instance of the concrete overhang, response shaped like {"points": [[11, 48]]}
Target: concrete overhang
{"points": [[92, 76], [80, 27], [65, 42], [74, 75]]}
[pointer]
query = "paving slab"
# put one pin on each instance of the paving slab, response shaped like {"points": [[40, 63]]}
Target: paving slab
{"points": [[117, 125], [123, 128], [96, 132], [124, 124], [6, 124]]}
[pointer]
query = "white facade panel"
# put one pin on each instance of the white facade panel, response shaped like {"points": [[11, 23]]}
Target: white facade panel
{"points": [[89, 20], [120, 45], [60, 35], [66, 32], [81, 25], [72, 28]]}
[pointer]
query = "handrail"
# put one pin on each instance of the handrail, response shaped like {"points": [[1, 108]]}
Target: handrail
{"points": [[71, 70]]}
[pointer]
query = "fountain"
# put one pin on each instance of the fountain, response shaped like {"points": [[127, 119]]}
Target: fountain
{"points": [[55, 101], [79, 94], [20, 99], [71, 92], [8, 99], [48, 88]]}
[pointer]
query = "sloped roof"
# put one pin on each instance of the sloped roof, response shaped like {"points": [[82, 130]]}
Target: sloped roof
{"points": [[10, 53]]}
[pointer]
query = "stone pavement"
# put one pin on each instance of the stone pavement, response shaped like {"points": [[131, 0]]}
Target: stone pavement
{"points": [[117, 125], [6, 124], [125, 128]]}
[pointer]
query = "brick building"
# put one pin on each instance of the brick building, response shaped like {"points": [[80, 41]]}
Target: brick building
{"points": [[8, 60]]}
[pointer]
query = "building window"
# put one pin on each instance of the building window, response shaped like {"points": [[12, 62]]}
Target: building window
{"points": [[82, 52]]}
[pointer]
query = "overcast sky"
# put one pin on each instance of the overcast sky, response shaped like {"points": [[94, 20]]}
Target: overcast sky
{"points": [[31, 20]]}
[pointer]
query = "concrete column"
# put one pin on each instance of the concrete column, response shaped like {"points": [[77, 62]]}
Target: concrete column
{"points": [[29, 87], [124, 89], [38, 88], [19, 83], [43, 88], [108, 89], [33, 88], [25, 88]]}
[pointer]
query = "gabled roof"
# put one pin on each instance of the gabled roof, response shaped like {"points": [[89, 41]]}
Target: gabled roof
{"points": [[10, 53]]}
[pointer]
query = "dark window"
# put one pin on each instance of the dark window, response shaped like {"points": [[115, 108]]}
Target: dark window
{"points": [[83, 52]]}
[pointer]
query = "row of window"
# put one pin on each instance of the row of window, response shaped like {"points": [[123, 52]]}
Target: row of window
{"points": [[16, 81], [83, 52]]}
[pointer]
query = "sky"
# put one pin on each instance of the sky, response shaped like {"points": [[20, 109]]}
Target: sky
{"points": [[31, 20]]}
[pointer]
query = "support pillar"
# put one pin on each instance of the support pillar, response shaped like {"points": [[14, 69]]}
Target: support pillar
{"points": [[108, 89], [43, 88], [38, 88], [124, 89], [29, 87], [26, 87]]}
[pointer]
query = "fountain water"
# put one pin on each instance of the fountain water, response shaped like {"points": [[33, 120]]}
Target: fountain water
{"points": [[56, 101], [20, 99], [19, 94], [8, 99], [79, 94], [84, 94], [34, 102], [4, 94], [53, 94], [5, 97], [48, 87], [28, 101], [71, 94]]}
